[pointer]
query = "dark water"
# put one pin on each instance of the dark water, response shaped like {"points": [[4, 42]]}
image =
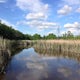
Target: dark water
{"points": [[30, 65]]}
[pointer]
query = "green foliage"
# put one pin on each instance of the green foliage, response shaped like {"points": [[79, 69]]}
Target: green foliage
{"points": [[10, 33], [36, 37], [28, 37], [77, 37], [50, 36], [68, 35]]}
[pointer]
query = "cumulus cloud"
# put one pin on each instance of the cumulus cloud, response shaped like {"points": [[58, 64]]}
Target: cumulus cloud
{"points": [[64, 10], [74, 25], [36, 8], [38, 15], [75, 4], [32, 5], [39, 24]]}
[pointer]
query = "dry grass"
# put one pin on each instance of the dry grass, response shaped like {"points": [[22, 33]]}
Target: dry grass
{"points": [[71, 46], [4, 44], [61, 41], [59, 48]]}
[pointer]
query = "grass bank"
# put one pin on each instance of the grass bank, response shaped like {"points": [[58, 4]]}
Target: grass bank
{"points": [[58, 48], [64, 46]]}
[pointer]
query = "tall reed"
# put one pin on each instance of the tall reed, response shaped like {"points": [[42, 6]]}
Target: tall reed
{"points": [[66, 46]]}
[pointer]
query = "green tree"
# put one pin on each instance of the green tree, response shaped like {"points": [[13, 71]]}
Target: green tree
{"points": [[10, 33], [68, 35], [51, 36], [28, 37], [36, 37]]}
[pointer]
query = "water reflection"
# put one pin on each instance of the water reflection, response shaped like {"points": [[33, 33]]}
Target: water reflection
{"points": [[29, 65], [51, 53]]}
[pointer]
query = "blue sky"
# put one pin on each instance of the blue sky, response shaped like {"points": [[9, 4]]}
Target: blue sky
{"points": [[41, 16]]}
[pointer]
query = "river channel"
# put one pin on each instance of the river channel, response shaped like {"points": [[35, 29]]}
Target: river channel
{"points": [[30, 65]]}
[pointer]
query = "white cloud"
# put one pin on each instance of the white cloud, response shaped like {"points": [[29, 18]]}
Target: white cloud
{"points": [[38, 15], [42, 25], [65, 10], [74, 25], [39, 24], [78, 10], [72, 30], [36, 8], [2, 1], [75, 4], [32, 5], [71, 2], [68, 25]]}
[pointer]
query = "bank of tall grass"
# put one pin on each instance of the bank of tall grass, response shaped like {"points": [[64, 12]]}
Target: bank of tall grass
{"points": [[65, 46], [58, 48]]}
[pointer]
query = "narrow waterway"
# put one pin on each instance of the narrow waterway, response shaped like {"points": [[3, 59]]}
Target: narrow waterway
{"points": [[30, 65]]}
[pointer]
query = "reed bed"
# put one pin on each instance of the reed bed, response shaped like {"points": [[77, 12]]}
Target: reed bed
{"points": [[59, 48], [64, 46], [4, 44], [8, 45]]}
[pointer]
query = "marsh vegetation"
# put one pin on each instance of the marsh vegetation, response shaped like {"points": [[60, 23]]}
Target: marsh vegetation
{"points": [[59, 46]]}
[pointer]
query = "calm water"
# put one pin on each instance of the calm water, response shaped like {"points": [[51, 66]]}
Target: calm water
{"points": [[30, 65]]}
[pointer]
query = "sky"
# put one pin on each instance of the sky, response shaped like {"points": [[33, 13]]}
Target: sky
{"points": [[41, 16]]}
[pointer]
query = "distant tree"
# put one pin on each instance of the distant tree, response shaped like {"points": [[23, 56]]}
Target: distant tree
{"points": [[77, 37], [44, 37], [68, 35], [51, 36], [36, 36], [28, 37], [64, 36]]}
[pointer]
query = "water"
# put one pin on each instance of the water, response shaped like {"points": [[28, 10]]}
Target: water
{"points": [[30, 65]]}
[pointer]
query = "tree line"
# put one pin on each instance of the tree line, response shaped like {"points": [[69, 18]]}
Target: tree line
{"points": [[9, 33]]}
